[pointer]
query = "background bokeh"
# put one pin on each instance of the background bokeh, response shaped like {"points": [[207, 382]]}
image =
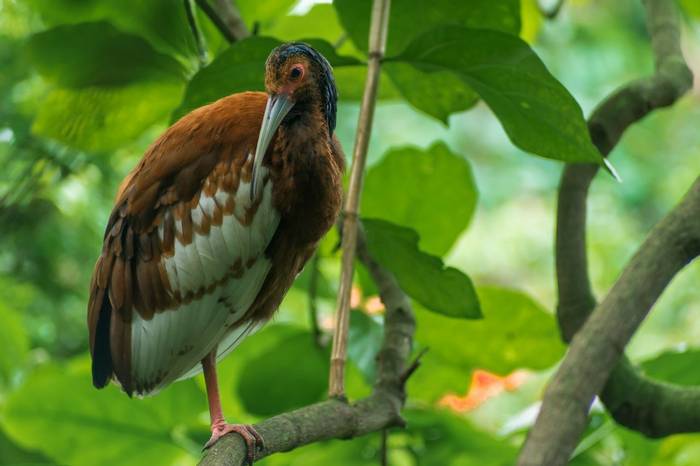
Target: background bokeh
{"points": [[69, 132]]}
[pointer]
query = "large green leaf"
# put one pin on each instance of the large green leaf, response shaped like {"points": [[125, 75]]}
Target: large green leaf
{"points": [[105, 118], [263, 13], [515, 333], [364, 341], [692, 7], [536, 111], [409, 19], [229, 370], [432, 191], [15, 343], [675, 367], [58, 412], [12, 455], [97, 54], [162, 22], [289, 375], [425, 278], [438, 94], [321, 22], [242, 68]]}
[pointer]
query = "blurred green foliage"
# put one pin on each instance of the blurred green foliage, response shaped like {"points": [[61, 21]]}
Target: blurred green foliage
{"points": [[85, 86]]}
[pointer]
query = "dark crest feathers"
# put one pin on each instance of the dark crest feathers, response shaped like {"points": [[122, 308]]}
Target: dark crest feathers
{"points": [[329, 92]]}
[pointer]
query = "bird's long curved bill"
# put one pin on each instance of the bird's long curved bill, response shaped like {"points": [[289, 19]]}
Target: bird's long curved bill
{"points": [[278, 105]]}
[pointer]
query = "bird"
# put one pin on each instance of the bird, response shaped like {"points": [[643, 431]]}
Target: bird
{"points": [[210, 229]]}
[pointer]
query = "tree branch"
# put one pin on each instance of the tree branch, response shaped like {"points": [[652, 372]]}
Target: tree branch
{"points": [[597, 347], [226, 17], [377, 45], [335, 418], [627, 393]]}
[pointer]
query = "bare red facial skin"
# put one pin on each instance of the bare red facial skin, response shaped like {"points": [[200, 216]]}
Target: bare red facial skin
{"points": [[295, 77]]}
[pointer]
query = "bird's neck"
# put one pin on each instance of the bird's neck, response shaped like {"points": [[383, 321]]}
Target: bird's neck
{"points": [[306, 170]]}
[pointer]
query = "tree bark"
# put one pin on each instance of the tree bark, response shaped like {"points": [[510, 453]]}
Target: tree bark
{"points": [[596, 349]]}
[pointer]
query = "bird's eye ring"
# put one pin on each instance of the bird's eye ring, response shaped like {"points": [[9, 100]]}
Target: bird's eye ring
{"points": [[296, 73]]}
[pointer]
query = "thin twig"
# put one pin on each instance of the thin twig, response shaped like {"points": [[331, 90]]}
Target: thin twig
{"points": [[552, 11], [226, 17], [313, 292], [196, 33], [384, 448], [377, 44]]}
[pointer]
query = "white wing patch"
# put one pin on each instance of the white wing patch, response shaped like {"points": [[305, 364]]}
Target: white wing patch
{"points": [[171, 345]]}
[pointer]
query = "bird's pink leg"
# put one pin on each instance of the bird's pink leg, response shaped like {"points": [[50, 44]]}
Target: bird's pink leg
{"points": [[219, 427]]}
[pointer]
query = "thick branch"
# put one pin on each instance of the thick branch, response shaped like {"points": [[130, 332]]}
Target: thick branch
{"points": [[335, 418], [627, 393], [226, 17], [597, 347], [654, 408], [377, 44], [607, 124]]}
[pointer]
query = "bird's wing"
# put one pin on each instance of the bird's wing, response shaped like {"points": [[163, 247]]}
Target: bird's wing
{"points": [[183, 255]]}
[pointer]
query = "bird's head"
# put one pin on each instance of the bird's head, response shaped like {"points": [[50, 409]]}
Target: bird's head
{"points": [[298, 79]]}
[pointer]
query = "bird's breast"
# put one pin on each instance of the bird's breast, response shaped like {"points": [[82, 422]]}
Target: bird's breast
{"points": [[216, 240]]}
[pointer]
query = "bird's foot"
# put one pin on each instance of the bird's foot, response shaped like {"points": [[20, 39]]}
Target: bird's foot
{"points": [[251, 437]]}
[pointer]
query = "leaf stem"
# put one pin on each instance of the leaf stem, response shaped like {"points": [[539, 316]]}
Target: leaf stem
{"points": [[313, 292], [196, 33]]}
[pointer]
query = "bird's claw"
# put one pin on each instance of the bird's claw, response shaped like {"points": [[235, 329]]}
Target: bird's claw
{"points": [[251, 437]]}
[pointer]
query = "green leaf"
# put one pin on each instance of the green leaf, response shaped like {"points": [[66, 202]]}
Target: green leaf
{"points": [[536, 111], [239, 68], [438, 94], [449, 439], [425, 278], [230, 369], [321, 22], [691, 7], [103, 119], [432, 191], [15, 343], [161, 22], [11, 454], [58, 412], [289, 375], [674, 367], [263, 13], [364, 341], [242, 68], [515, 332], [409, 19], [97, 54]]}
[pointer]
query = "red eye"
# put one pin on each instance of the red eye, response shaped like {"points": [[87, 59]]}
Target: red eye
{"points": [[296, 73]]}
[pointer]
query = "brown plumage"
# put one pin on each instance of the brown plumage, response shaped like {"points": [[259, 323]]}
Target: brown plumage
{"points": [[210, 229]]}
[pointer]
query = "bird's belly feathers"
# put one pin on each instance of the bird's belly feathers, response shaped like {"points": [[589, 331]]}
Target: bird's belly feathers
{"points": [[221, 272]]}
